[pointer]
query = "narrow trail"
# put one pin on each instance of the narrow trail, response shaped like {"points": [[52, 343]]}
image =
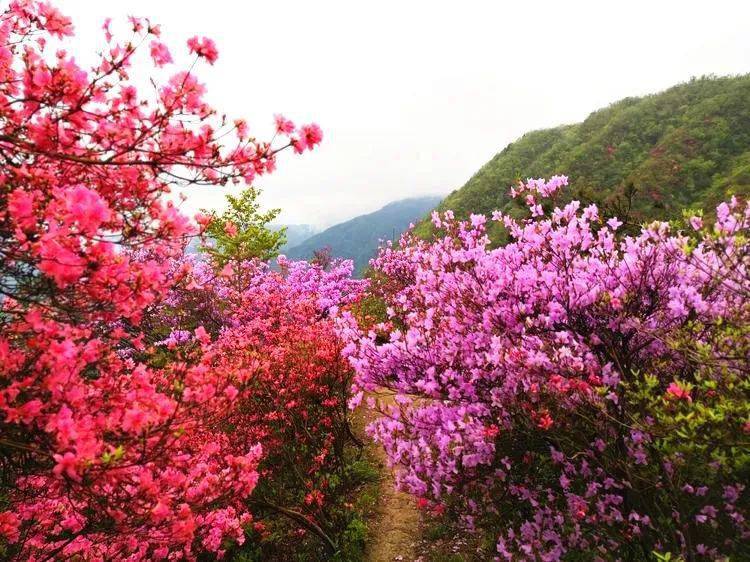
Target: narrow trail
{"points": [[396, 530]]}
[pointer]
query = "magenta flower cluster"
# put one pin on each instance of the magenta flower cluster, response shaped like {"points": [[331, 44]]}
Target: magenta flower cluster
{"points": [[529, 386]]}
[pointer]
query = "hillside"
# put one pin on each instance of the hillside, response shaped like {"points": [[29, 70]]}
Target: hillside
{"points": [[686, 146], [359, 237]]}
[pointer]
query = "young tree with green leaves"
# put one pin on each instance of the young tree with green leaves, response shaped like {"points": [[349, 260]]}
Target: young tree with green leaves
{"points": [[242, 231]]}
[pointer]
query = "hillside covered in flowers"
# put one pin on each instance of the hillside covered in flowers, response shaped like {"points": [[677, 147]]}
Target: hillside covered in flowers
{"points": [[580, 392]]}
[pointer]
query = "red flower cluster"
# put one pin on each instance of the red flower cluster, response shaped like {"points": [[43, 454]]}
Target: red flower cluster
{"points": [[204, 48], [276, 328], [108, 452]]}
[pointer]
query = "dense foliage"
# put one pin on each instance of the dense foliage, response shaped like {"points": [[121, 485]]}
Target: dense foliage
{"points": [[574, 394], [108, 451], [358, 238], [688, 146], [275, 326]]}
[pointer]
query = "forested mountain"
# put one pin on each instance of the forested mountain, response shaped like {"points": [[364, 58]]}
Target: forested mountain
{"points": [[686, 146], [359, 237]]}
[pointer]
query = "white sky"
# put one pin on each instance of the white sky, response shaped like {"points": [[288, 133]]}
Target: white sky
{"points": [[414, 96]]}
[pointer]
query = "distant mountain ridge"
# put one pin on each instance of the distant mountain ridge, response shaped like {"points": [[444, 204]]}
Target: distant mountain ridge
{"points": [[295, 234], [688, 146], [359, 238]]}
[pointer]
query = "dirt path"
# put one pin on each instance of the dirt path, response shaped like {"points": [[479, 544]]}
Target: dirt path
{"points": [[397, 527]]}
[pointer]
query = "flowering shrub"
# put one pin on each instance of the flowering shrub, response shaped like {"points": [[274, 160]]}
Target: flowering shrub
{"points": [[573, 393], [105, 452], [276, 326]]}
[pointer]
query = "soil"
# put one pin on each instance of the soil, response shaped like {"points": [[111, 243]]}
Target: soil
{"points": [[399, 531], [397, 528]]}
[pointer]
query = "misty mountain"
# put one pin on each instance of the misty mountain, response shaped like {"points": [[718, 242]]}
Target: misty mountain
{"points": [[295, 234], [359, 238]]}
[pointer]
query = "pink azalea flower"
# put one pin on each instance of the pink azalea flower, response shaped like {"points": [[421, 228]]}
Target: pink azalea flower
{"points": [[676, 391], [283, 125], [230, 229], [160, 53], [204, 48]]}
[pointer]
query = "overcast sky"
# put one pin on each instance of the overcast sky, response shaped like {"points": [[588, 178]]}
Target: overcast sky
{"points": [[414, 96]]}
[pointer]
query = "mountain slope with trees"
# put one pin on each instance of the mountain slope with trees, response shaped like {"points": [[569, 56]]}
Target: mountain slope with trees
{"points": [[688, 146]]}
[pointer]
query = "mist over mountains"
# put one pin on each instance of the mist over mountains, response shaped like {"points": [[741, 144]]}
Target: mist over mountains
{"points": [[296, 234], [358, 238], [686, 146]]}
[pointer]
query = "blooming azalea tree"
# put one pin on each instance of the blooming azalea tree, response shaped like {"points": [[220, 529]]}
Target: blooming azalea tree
{"points": [[573, 393], [106, 453], [277, 327]]}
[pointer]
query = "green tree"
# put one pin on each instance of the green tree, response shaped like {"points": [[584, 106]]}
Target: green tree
{"points": [[242, 231]]}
